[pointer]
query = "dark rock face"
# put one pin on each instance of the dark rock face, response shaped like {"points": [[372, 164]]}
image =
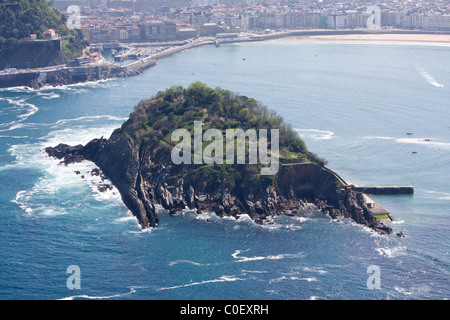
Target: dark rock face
{"points": [[65, 152], [144, 183], [137, 159]]}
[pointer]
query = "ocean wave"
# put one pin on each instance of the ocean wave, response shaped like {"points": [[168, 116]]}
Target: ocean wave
{"points": [[14, 137], [188, 262], [282, 278], [391, 252], [87, 119], [315, 134], [59, 179], [24, 110], [314, 270], [254, 271], [48, 95], [224, 278], [125, 219], [119, 295], [238, 258], [402, 290], [77, 134], [17, 89], [76, 87]]}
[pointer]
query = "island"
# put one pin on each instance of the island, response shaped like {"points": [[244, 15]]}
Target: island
{"points": [[138, 159]]}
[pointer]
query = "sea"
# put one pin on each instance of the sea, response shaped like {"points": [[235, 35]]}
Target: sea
{"points": [[377, 111]]}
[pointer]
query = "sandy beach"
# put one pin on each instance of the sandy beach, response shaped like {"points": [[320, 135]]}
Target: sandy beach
{"points": [[440, 38]]}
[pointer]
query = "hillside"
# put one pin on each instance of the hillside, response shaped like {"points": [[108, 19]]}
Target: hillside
{"points": [[138, 158], [20, 19]]}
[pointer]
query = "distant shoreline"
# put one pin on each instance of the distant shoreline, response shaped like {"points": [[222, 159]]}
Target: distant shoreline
{"points": [[428, 38], [359, 35], [8, 80]]}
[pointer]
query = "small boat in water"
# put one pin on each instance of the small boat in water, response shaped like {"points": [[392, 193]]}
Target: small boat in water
{"points": [[409, 133]]}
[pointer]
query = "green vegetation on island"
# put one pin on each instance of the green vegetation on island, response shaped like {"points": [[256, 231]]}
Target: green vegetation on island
{"points": [[138, 158], [154, 120], [23, 39]]}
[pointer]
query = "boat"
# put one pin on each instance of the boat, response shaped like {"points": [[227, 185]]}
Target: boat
{"points": [[409, 133], [244, 58], [427, 139]]}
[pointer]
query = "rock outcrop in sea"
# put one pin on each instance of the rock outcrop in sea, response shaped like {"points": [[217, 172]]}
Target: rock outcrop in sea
{"points": [[137, 160]]}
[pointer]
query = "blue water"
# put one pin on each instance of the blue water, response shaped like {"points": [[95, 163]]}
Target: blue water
{"points": [[351, 102]]}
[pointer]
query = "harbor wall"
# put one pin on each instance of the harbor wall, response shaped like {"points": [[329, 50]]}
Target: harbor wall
{"points": [[385, 189], [17, 79]]}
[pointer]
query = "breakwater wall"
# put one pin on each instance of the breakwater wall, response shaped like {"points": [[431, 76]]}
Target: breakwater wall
{"points": [[172, 51], [17, 79], [138, 64], [384, 189], [37, 78]]}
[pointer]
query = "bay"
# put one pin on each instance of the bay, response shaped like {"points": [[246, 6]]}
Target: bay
{"points": [[352, 102]]}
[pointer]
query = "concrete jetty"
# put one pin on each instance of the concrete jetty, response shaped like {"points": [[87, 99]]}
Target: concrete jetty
{"points": [[384, 189]]}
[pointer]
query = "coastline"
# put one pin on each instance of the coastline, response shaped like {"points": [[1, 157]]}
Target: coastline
{"points": [[29, 78], [394, 35], [389, 37]]}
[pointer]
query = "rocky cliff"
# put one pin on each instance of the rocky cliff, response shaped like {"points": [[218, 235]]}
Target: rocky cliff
{"points": [[137, 160]]}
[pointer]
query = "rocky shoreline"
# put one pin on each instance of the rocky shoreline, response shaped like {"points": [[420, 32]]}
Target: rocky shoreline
{"points": [[149, 184], [57, 81], [138, 160]]}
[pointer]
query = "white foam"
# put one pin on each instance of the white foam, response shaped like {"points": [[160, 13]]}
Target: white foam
{"points": [[15, 137], [379, 137], [254, 271], [188, 262], [224, 278], [125, 219], [315, 134], [119, 295], [428, 77], [238, 258], [75, 87], [58, 178], [403, 290], [423, 142], [21, 105], [314, 269], [440, 195], [88, 119], [48, 95], [391, 252], [309, 279]]}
